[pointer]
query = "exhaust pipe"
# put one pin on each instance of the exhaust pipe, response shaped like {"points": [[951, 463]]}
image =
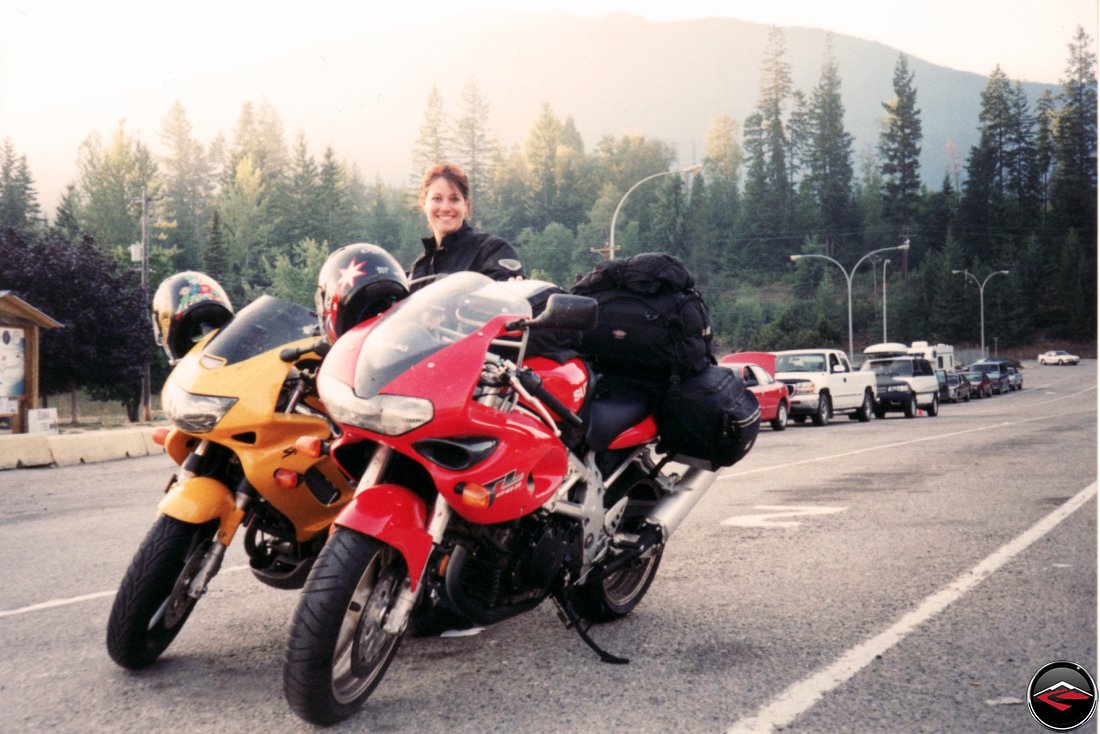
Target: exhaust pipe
{"points": [[674, 507], [662, 522]]}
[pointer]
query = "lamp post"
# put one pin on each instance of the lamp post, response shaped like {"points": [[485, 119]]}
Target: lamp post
{"points": [[885, 262], [848, 278], [610, 250], [981, 297]]}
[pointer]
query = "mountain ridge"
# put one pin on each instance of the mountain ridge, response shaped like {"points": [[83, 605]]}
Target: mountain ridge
{"points": [[365, 92]]}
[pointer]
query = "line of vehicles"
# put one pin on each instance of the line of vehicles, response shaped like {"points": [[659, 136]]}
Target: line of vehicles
{"points": [[817, 384]]}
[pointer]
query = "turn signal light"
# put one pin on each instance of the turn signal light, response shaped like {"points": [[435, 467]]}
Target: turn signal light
{"points": [[475, 495], [287, 479], [310, 446], [160, 435]]}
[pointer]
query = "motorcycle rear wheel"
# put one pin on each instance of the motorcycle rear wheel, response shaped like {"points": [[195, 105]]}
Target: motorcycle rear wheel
{"points": [[152, 605], [615, 596], [338, 651]]}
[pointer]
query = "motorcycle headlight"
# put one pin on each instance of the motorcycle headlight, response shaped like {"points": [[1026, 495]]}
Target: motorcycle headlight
{"points": [[390, 415], [193, 413]]}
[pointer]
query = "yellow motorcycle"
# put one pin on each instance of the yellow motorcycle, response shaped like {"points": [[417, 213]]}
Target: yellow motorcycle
{"points": [[238, 398]]}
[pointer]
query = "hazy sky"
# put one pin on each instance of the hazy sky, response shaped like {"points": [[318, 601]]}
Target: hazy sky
{"points": [[62, 50]]}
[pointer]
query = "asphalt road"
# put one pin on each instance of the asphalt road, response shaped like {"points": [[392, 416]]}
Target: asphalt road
{"points": [[897, 576]]}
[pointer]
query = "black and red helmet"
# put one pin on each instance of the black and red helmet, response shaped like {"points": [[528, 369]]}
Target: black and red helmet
{"points": [[357, 282], [186, 307]]}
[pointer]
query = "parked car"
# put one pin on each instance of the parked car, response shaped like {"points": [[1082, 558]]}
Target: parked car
{"points": [[822, 382], [953, 386], [1059, 357], [1015, 378], [995, 371], [774, 398], [904, 383], [980, 386]]}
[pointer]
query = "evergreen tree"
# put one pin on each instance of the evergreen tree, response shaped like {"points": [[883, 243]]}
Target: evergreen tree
{"points": [[473, 145], [767, 199], [829, 162], [299, 197], [1074, 180], [112, 175], [187, 186], [719, 204], [899, 151], [670, 215], [214, 258], [540, 151], [18, 201], [247, 223], [433, 145], [66, 221], [335, 212]]}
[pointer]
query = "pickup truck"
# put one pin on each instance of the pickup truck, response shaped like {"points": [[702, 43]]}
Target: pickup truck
{"points": [[822, 383]]}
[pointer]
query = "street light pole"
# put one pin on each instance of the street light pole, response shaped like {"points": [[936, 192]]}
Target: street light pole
{"points": [[981, 297], [885, 262], [146, 376], [611, 243], [848, 278]]}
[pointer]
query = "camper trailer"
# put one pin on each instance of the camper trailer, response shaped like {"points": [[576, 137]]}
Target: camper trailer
{"points": [[942, 356]]}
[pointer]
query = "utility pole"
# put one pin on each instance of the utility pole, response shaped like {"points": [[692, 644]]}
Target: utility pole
{"points": [[146, 377]]}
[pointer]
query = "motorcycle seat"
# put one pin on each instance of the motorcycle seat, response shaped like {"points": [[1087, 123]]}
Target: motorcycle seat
{"points": [[618, 404]]}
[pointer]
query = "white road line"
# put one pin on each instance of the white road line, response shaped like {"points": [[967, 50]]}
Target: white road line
{"points": [[788, 705], [54, 603], [896, 444]]}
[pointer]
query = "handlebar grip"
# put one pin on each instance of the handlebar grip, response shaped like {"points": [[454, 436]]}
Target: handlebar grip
{"points": [[533, 384]]}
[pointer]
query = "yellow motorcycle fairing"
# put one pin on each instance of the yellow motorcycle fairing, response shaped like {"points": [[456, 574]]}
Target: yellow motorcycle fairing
{"points": [[261, 439]]}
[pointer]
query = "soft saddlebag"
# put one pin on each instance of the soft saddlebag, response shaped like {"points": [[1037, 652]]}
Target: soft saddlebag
{"points": [[711, 418], [652, 323]]}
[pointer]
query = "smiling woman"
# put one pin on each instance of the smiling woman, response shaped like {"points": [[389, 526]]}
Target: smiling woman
{"points": [[454, 245]]}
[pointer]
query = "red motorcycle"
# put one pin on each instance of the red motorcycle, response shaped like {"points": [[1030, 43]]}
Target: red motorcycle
{"points": [[488, 480]]}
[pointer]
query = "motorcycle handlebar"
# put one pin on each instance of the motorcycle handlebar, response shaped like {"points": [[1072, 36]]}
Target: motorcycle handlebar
{"points": [[293, 354], [533, 384]]}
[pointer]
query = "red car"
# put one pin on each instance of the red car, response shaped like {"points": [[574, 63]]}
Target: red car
{"points": [[773, 397]]}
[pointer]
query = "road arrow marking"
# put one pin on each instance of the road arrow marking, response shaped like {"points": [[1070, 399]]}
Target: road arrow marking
{"points": [[767, 519]]}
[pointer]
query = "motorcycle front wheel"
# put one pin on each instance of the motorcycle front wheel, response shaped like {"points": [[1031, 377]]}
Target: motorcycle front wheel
{"points": [[152, 603], [338, 650]]}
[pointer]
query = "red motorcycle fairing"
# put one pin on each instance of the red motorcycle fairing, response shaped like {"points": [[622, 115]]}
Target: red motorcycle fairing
{"points": [[528, 462], [396, 516], [567, 381]]}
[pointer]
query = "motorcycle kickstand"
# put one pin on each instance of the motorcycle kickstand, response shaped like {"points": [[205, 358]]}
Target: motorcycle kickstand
{"points": [[563, 600]]}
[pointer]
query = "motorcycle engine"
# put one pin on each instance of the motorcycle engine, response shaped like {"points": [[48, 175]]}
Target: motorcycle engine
{"points": [[521, 565]]}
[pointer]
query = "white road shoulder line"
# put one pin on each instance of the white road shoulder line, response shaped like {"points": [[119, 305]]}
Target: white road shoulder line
{"points": [[54, 603], [788, 705]]}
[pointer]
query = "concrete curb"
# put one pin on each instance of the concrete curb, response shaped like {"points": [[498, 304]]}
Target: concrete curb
{"points": [[71, 449]]}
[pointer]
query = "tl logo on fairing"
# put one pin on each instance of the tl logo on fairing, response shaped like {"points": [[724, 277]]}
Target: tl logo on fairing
{"points": [[510, 482]]}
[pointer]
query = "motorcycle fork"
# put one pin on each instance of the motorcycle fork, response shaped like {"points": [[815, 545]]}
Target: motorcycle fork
{"points": [[227, 530]]}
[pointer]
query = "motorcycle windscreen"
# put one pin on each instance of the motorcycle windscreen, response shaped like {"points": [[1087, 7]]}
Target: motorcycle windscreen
{"points": [[429, 320], [265, 324]]}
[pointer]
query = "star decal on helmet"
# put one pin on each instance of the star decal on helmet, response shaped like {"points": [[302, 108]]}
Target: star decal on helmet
{"points": [[349, 274]]}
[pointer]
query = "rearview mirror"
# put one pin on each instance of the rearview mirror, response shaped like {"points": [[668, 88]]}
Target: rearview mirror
{"points": [[565, 311]]}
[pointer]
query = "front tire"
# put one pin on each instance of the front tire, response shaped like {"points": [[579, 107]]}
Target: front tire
{"points": [[779, 423], [911, 406], [338, 651], [152, 603], [824, 410], [934, 408]]}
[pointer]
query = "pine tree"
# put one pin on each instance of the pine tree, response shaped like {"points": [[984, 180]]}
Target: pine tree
{"points": [[66, 221], [299, 197], [334, 207], [829, 161], [473, 145], [1074, 181], [433, 145], [112, 175], [18, 201], [214, 258], [899, 150], [187, 186]]}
